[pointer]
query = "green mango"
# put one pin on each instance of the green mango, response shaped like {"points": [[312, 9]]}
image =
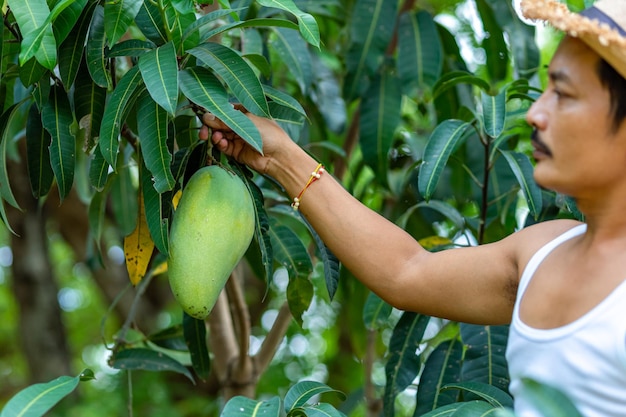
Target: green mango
{"points": [[212, 228]]}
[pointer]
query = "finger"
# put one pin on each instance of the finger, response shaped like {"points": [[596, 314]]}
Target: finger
{"points": [[203, 134]]}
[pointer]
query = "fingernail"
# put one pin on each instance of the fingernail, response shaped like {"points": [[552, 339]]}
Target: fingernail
{"points": [[209, 116]]}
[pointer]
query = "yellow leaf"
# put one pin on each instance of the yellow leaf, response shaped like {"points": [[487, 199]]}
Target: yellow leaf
{"points": [[434, 242], [160, 269], [176, 198], [138, 248]]}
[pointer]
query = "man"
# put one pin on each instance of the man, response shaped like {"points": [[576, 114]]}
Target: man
{"points": [[559, 283]]}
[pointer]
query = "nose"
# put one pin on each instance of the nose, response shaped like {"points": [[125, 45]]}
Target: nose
{"points": [[536, 115]]}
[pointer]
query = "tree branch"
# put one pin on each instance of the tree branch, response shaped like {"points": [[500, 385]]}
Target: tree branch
{"points": [[223, 342], [274, 337], [240, 315]]}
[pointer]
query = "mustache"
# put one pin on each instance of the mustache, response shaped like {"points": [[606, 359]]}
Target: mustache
{"points": [[538, 143]]}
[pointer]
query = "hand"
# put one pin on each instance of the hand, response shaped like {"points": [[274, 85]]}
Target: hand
{"points": [[274, 138]]}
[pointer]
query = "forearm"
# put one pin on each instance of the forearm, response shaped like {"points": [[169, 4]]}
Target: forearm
{"points": [[375, 250]]}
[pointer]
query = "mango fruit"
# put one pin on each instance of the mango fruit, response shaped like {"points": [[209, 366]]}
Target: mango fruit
{"points": [[212, 228]]}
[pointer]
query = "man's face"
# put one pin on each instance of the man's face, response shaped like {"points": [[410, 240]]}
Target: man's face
{"points": [[576, 151]]}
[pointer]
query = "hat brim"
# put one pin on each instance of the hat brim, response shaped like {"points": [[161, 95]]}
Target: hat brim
{"points": [[603, 39]]}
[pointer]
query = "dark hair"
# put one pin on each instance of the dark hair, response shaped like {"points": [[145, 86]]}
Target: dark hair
{"points": [[616, 84]]}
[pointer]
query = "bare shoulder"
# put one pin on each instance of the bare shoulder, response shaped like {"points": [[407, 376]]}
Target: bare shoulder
{"points": [[530, 239]]}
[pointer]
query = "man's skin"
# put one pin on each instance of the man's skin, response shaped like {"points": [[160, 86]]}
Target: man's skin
{"points": [[577, 153]]}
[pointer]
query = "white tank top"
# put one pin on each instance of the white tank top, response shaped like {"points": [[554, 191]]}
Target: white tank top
{"points": [[585, 359]]}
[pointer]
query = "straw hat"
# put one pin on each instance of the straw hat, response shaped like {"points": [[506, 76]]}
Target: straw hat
{"points": [[601, 26]]}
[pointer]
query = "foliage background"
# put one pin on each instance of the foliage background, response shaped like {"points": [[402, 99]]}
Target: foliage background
{"points": [[374, 98]]}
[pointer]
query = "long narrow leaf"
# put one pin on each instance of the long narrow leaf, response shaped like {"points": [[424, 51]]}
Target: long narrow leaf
{"points": [[420, 54], [202, 88], [523, 169], [65, 15], [485, 359], [295, 56], [290, 252], [403, 364], [489, 393], [442, 367], [10, 123], [113, 117], [376, 312], [308, 26], [159, 69], [72, 49], [237, 74], [150, 22], [380, 116], [195, 337], [38, 38], [494, 113], [152, 124], [37, 399], [57, 118], [38, 152], [302, 392], [442, 142], [147, 360], [96, 50], [118, 16], [157, 211], [372, 26], [240, 406]]}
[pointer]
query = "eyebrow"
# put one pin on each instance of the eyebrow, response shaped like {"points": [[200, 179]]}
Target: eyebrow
{"points": [[558, 75]]}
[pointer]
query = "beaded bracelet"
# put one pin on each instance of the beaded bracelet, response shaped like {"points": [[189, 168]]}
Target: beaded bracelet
{"points": [[315, 175]]}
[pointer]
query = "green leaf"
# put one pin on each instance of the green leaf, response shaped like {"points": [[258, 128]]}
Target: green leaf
{"points": [[37, 399], [204, 89], [11, 123], [551, 401], [443, 411], [454, 78], [295, 56], [245, 407], [38, 38], [308, 26], [57, 118], [302, 392], [442, 367], [195, 336], [157, 208], [38, 154], [261, 230], [130, 47], [523, 170], [72, 49], [118, 16], [69, 13], [371, 29], [420, 54], [329, 260], [494, 113], [494, 396], [209, 20], [441, 144], [237, 74], [159, 69], [150, 22], [95, 52], [123, 196], [497, 53], [291, 253], [376, 312], [403, 363], [474, 409], [283, 99], [114, 113], [380, 117], [170, 338], [147, 360], [485, 359], [98, 170], [317, 410], [152, 125], [95, 215], [31, 72], [89, 103], [252, 23]]}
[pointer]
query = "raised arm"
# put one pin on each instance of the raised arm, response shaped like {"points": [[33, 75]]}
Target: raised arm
{"points": [[475, 285]]}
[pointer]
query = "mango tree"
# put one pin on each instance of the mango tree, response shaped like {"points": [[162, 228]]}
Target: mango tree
{"points": [[416, 107]]}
